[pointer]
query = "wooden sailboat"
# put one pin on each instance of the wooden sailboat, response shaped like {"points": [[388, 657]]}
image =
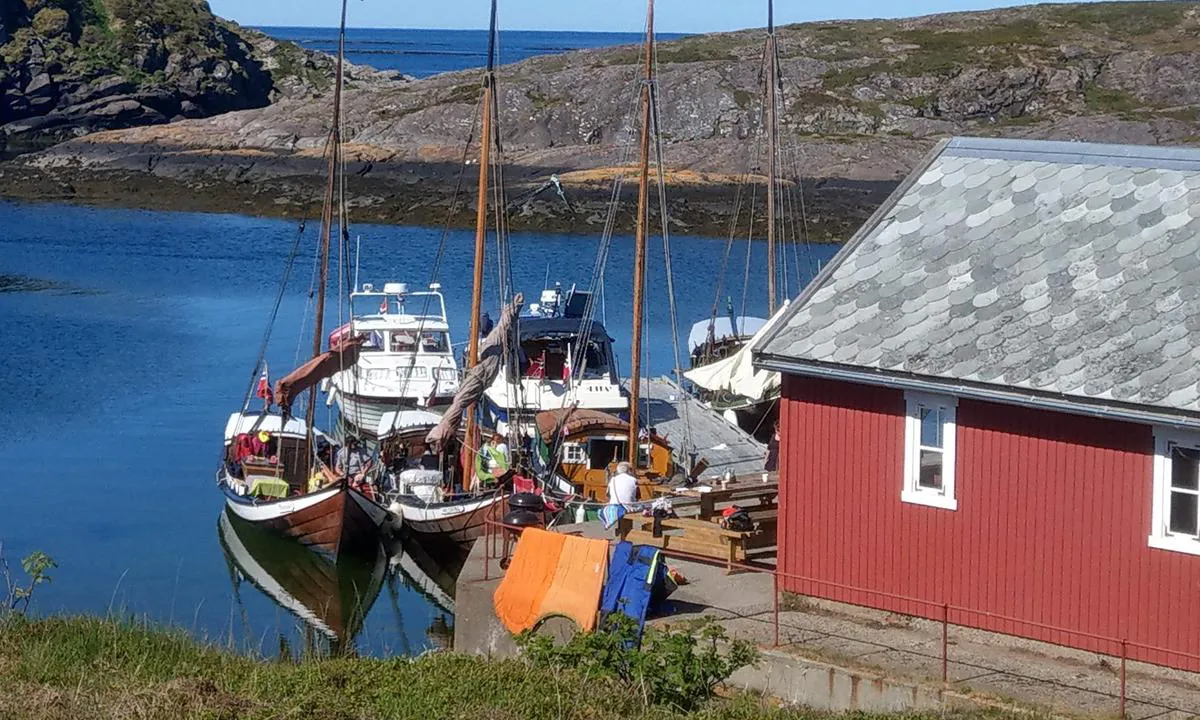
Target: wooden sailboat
{"points": [[269, 459], [720, 347], [449, 513]]}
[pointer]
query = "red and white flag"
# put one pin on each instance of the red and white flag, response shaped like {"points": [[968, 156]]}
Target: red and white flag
{"points": [[383, 307], [264, 387]]}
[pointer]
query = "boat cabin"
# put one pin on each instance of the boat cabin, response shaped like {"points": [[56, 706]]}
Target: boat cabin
{"points": [[562, 361], [589, 446], [410, 465], [406, 357], [266, 456]]}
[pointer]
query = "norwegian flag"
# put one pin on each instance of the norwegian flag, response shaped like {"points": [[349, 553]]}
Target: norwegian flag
{"points": [[264, 387]]}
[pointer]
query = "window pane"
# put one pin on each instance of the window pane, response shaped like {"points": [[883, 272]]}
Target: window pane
{"points": [[1183, 513], [931, 427], [1185, 468], [931, 470]]}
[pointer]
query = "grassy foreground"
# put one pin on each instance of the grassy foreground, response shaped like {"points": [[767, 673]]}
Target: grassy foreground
{"points": [[85, 668]]}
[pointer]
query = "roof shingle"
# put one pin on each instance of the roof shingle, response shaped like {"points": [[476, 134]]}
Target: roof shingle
{"points": [[1064, 268]]}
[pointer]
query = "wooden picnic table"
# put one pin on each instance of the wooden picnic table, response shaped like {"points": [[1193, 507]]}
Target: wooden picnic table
{"points": [[765, 492], [704, 535]]}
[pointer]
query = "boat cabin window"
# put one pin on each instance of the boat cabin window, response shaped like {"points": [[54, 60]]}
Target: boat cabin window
{"points": [[373, 343], [404, 341], [595, 361], [574, 454], [544, 359], [435, 342]]}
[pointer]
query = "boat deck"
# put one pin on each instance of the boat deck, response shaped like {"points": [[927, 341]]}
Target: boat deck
{"points": [[725, 447]]}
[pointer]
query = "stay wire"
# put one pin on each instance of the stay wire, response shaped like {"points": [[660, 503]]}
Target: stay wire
{"points": [[664, 219], [274, 314]]}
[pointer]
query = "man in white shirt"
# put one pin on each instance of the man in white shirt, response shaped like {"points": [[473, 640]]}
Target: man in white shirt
{"points": [[622, 487]]}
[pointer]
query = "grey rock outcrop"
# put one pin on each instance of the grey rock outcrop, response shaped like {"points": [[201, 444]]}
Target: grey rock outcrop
{"points": [[861, 103], [112, 64]]}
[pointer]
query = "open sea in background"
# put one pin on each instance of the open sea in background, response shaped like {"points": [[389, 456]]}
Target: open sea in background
{"points": [[129, 337], [422, 53]]}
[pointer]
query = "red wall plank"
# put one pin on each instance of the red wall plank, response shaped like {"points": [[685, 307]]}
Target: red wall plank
{"points": [[1051, 527]]}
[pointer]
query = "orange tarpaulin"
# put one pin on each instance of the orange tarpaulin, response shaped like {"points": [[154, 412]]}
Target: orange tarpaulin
{"points": [[552, 574]]}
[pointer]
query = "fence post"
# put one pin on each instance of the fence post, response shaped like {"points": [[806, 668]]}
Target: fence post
{"points": [[487, 546], [775, 598], [1124, 655], [945, 643]]}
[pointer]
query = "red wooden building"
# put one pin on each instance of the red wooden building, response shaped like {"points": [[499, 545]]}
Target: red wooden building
{"points": [[991, 400]]}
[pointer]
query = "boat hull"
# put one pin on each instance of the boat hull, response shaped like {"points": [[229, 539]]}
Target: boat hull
{"points": [[460, 522], [336, 521], [365, 413]]}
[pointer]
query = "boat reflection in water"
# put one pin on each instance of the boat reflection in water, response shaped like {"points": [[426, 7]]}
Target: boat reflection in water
{"points": [[332, 599]]}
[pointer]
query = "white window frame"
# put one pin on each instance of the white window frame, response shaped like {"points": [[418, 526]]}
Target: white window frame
{"points": [[574, 454], [912, 491], [1161, 536]]}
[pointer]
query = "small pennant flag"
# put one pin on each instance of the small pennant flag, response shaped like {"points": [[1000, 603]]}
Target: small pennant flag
{"points": [[264, 387]]}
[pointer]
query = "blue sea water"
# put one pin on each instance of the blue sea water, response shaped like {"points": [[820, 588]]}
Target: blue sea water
{"points": [[422, 53], [134, 339]]}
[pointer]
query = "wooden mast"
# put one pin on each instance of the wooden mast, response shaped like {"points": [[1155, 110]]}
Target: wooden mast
{"points": [[639, 258], [772, 144], [335, 143], [481, 208]]}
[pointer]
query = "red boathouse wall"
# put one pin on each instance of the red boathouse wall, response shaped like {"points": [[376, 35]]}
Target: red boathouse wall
{"points": [[1049, 540]]}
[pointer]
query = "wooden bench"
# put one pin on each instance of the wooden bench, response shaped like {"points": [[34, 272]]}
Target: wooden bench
{"points": [[694, 536]]}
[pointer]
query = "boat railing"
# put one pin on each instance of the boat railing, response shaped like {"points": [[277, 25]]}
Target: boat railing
{"points": [[399, 293]]}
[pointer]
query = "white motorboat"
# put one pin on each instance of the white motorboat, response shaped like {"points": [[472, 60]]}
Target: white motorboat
{"points": [[565, 360], [406, 358]]}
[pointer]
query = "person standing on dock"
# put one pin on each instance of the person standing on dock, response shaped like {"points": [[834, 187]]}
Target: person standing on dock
{"points": [[772, 462], [622, 487]]}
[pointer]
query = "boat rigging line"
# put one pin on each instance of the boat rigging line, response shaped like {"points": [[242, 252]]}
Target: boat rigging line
{"points": [[274, 314], [664, 219]]}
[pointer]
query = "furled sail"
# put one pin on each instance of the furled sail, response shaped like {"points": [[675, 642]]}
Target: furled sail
{"points": [[480, 377], [736, 374], [314, 371]]}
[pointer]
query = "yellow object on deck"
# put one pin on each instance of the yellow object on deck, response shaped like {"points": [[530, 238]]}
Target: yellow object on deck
{"points": [[552, 574], [269, 487]]}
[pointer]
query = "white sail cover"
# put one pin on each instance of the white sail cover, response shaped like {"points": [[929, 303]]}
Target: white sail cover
{"points": [[736, 374]]}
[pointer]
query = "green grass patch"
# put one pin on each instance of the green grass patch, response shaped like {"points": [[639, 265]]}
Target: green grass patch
{"points": [[89, 668], [541, 101], [1110, 100], [1128, 18], [835, 79], [700, 49]]}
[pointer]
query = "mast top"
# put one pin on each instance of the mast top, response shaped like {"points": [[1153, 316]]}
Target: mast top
{"points": [[771, 16], [491, 60]]}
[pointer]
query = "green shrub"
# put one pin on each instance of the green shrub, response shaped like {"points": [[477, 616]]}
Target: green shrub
{"points": [[17, 594], [51, 22], [676, 668]]}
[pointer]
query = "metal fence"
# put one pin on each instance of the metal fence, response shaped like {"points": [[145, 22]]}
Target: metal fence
{"points": [[499, 538]]}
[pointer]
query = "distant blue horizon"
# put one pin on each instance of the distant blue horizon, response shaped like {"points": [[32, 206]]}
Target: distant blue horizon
{"points": [[675, 16], [421, 53]]}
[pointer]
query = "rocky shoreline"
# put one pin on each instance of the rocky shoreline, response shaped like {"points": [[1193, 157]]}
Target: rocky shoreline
{"points": [[428, 193], [863, 102]]}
